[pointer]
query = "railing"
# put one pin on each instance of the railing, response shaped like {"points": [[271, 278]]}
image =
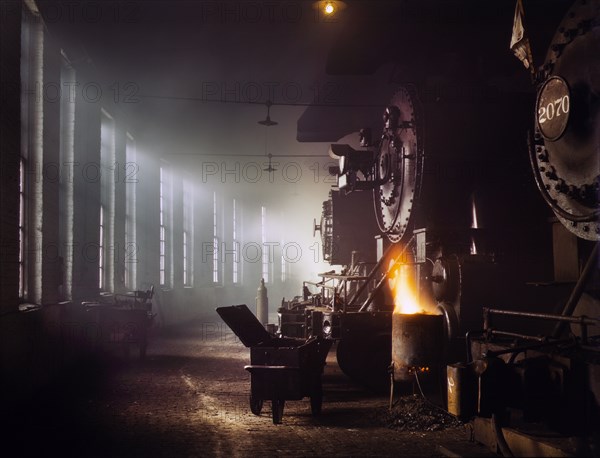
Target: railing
{"points": [[582, 321]]}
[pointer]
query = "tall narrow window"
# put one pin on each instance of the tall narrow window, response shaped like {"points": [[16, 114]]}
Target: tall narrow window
{"points": [[101, 260], [185, 259], [162, 236], [166, 226], [32, 153], [284, 272], [236, 246], [107, 199], [131, 169], [66, 189], [265, 247], [215, 241], [22, 229], [188, 234]]}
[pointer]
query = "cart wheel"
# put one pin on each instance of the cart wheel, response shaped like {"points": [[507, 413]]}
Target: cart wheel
{"points": [[316, 401], [277, 406], [256, 405]]}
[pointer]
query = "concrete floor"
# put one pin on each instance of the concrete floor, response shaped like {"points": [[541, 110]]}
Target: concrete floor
{"points": [[189, 398]]}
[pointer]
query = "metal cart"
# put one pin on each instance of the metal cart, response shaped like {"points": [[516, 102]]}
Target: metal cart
{"points": [[280, 369], [122, 320]]}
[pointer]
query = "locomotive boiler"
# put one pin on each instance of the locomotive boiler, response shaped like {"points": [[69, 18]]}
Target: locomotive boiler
{"points": [[466, 237]]}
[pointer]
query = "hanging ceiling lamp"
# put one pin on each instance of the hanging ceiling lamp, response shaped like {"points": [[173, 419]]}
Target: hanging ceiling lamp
{"points": [[270, 168], [267, 122], [329, 8]]}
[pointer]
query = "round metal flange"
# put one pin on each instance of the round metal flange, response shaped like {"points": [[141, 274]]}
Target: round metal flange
{"points": [[399, 164], [565, 153]]}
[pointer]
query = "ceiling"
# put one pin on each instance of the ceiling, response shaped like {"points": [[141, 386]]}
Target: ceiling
{"points": [[177, 62]]}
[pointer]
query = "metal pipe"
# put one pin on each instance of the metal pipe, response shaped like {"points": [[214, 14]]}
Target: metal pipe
{"points": [[486, 318], [500, 439], [542, 316], [372, 294], [391, 371], [517, 335], [578, 290], [491, 353], [330, 288]]}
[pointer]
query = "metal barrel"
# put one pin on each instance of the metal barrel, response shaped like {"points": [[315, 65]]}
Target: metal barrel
{"points": [[417, 344]]}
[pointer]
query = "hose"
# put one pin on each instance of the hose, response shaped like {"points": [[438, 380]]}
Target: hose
{"points": [[500, 440]]}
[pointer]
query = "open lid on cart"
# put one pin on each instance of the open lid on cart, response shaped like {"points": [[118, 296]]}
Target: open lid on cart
{"points": [[244, 324]]}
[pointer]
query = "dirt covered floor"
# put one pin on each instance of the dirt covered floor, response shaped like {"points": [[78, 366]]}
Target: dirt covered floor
{"points": [[189, 398]]}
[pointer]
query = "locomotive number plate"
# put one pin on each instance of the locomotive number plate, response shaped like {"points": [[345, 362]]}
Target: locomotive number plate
{"points": [[552, 108]]}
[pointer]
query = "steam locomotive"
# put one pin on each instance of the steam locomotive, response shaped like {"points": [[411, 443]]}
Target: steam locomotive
{"points": [[465, 238]]}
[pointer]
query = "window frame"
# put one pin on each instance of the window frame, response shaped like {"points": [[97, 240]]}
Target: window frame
{"points": [[130, 252]]}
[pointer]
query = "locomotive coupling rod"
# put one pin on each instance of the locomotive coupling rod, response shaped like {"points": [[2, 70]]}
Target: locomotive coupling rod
{"points": [[577, 291]]}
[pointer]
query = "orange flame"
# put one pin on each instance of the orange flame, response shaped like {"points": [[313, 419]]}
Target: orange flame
{"points": [[406, 300]]}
